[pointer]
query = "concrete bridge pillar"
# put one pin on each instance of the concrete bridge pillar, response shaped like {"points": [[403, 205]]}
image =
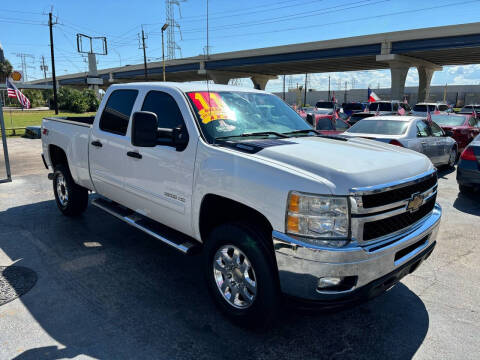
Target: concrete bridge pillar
{"points": [[425, 74], [219, 78], [260, 81], [398, 73]]}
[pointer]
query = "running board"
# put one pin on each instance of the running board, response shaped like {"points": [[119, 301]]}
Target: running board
{"points": [[175, 239]]}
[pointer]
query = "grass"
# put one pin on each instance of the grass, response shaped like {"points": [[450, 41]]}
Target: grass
{"points": [[30, 118]]}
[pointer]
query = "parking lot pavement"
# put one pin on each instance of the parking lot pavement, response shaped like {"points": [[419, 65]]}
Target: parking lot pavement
{"points": [[106, 290]]}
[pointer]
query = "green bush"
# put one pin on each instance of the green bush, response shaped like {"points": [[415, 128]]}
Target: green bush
{"points": [[75, 100], [35, 97]]}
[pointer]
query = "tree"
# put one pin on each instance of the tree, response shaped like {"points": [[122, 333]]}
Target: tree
{"points": [[6, 70]]}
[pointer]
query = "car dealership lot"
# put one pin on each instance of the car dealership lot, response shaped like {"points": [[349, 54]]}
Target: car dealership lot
{"points": [[111, 291]]}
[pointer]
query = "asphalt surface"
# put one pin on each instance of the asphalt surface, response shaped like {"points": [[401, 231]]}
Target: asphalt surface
{"points": [[105, 290]]}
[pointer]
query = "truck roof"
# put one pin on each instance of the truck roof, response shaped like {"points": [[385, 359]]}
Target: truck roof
{"points": [[185, 86]]}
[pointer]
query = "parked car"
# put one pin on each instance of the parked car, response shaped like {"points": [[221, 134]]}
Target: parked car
{"points": [[411, 132], [274, 207], [327, 125], [384, 107], [356, 117], [329, 105], [468, 109], [352, 107], [421, 109], [463, 128], [468, 169]]}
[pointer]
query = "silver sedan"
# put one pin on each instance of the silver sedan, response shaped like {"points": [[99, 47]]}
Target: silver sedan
{"points": [[411, 132]]}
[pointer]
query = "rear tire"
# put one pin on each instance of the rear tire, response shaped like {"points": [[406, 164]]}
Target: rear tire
{"points": [[237, 262], [466, 190], [71, 199]]}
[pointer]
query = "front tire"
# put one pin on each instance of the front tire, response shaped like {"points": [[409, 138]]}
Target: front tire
{"points": [[240, 275], [453, 158], [71, 199]]}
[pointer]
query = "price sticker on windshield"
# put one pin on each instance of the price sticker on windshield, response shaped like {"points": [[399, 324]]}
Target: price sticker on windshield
{"points": [[211, 107]]}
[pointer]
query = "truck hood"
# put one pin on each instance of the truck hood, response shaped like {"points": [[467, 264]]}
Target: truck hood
{"points": [[343, 165]]}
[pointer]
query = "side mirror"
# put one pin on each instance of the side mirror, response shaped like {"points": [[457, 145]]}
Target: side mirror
{"points": [[144, 129], [180, 138]]}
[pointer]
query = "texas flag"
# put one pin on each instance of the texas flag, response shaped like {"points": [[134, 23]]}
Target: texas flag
{"points": [[372, 97]]}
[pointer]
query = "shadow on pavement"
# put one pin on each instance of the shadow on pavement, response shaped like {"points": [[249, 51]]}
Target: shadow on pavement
{"points": [[468, 202], [443, 171], [106, 290]]}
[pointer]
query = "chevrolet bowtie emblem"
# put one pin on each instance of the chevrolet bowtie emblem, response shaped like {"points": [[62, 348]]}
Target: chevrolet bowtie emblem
{"points": [[415, 202]]}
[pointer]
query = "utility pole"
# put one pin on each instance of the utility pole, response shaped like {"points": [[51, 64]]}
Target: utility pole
{"points": [[23, 58], [144, 55], [328, 98], [305, 92], [44, 67], [54, 79], [283, 87]]}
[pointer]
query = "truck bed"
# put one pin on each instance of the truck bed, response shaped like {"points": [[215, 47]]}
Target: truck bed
{"points": [[74, 120]]}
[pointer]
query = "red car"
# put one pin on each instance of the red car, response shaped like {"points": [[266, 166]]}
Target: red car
{"points": [[463, 128]]}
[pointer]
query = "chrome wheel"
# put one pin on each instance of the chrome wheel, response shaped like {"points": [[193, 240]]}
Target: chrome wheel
{"points": [[452, 158], [62, 191], [234, 276]]}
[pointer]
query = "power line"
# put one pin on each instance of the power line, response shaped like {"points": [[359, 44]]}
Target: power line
{"points": [[370, 17]]}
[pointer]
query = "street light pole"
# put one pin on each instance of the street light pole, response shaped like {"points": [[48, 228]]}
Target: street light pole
{"points": [[164, 27]]}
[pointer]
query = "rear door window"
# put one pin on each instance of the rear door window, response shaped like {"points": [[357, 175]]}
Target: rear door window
{"points": [[436, 130], [422, 129], [116, 115]]}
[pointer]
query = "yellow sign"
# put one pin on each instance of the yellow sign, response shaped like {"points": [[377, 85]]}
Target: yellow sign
{"points": [[16, 76]]}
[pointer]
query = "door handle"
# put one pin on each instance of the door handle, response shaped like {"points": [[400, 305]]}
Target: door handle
{"points": [[134, 154], [97, 143]]}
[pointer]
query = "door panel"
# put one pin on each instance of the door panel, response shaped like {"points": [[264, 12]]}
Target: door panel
{"points": [[108, 143], [159, 185]]}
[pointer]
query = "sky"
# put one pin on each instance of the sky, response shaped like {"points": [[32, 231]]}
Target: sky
{"points": [[233, 26]]}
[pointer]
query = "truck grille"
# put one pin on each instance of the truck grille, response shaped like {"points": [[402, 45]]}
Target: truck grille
{"points": [[395, 195], [378, 228]]}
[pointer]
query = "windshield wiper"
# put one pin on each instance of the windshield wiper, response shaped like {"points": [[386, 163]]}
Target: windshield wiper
{"points": [[260, 133], [304, 131]]}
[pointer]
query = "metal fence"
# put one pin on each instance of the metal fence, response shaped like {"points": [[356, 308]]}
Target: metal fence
{"points": [[8, 177]]}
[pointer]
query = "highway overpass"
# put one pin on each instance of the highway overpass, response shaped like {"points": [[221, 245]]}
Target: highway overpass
{"points": [[426, 49]]}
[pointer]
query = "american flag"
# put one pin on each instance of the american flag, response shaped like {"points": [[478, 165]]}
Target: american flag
{"points": [[13, 92], [429, 116]]}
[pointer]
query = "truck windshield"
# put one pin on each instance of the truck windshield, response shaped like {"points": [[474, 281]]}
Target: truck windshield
{"points": [[231, 113], [380, 106], [324, 104], [423, 108], [379, 127]]}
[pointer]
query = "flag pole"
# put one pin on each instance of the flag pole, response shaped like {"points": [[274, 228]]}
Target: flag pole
{"points": [[5, 148]]}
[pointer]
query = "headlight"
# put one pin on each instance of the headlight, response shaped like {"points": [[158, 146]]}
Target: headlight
{"points": [[322, 220]]}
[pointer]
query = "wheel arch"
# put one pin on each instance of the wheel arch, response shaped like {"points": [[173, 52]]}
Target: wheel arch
{"points": [[57, 155], [216, 210]]}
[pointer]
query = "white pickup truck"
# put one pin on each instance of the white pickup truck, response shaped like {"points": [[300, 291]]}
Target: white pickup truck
{"points": [[275, 207]]}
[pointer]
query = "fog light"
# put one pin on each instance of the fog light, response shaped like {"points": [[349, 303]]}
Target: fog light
{"points": [[327, 282], [336, 283]]}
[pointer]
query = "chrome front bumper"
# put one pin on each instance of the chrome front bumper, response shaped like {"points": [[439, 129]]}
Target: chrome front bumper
{"points": [[301, 265]]}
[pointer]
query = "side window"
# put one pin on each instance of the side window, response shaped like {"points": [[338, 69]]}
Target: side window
{"points": [[472, 121], [436, 130], [117, 111], [341, 125], [166, 108], [422, 129]]}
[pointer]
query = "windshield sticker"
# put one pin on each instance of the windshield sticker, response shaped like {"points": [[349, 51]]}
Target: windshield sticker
{"points": [[211, 107]]}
